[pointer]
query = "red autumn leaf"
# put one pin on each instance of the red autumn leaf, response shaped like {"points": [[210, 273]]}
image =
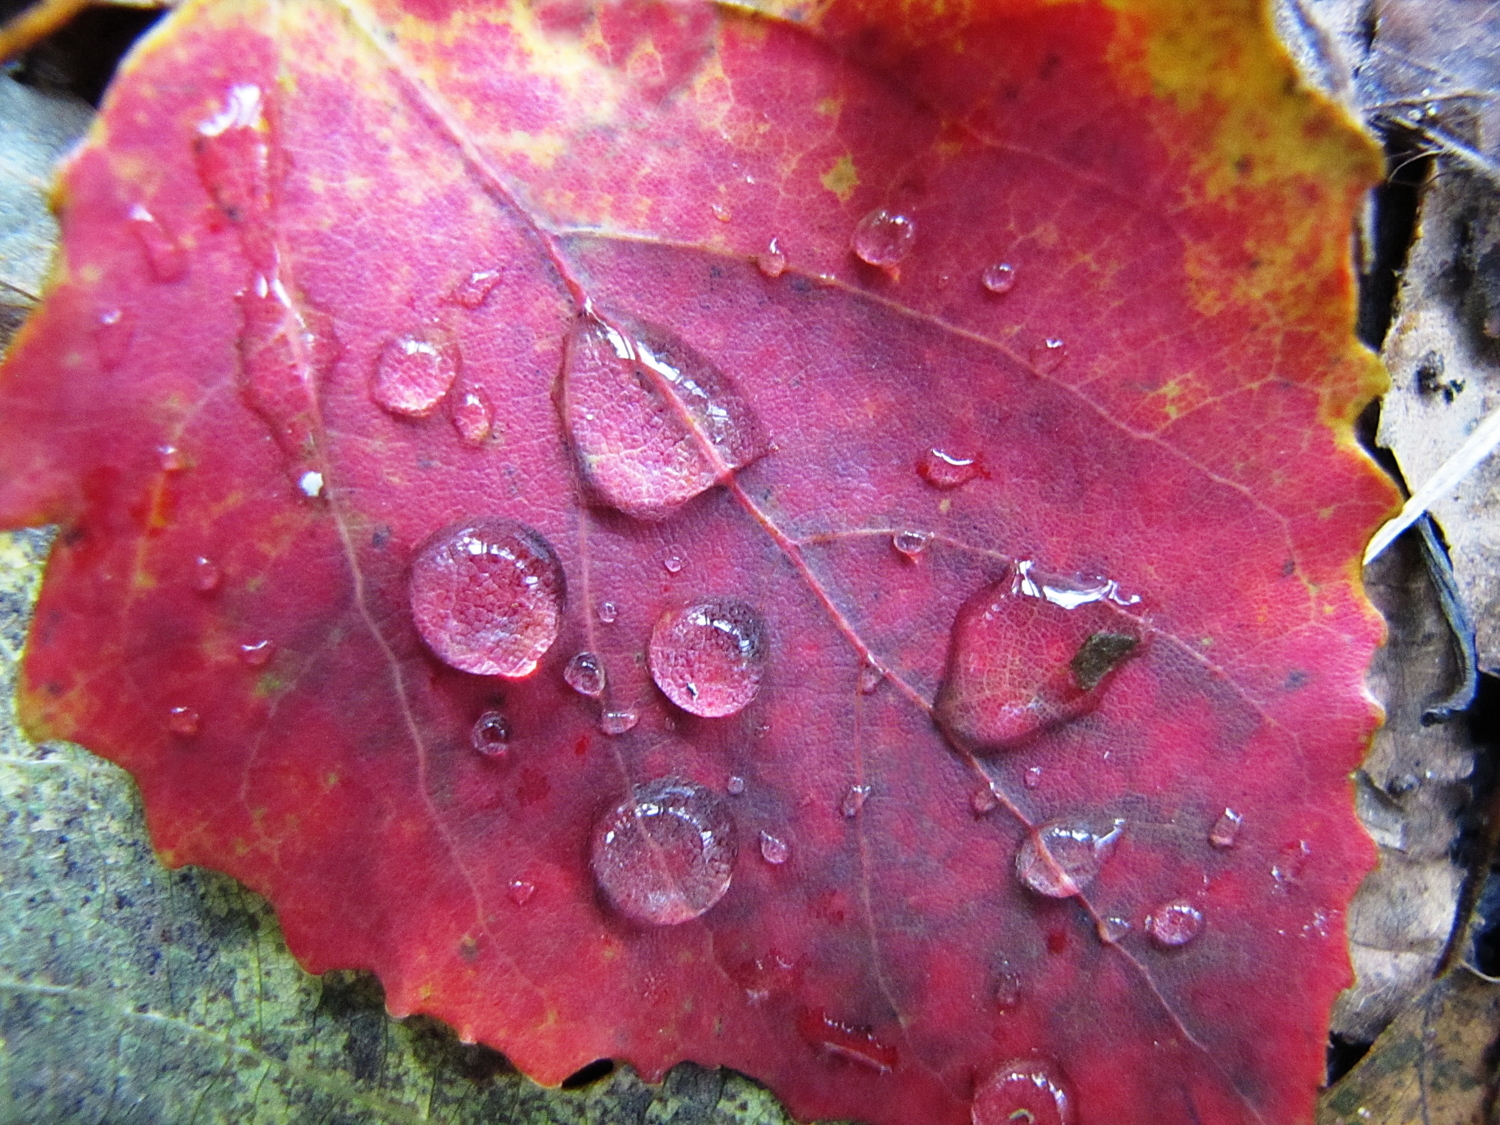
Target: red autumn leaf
{"points": [[824, 544]]}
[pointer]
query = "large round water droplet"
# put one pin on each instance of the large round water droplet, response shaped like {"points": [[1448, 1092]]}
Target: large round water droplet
{"points": [[585, 674], [1023, 1092], [1058, 859], [487, 596], [709, 657], [414, 372], [665, 854], [883, 238], [652, 422], [1028, 654], [1176, 923]]}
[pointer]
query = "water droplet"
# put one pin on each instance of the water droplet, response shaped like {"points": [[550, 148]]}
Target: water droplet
{"points": [[414, 372], [1032, 777], [1226, 829], [911, 544], [475, 289], [1023, 1092], [883, 238], [1007, 992], [772, 260], [1027, 656], [113, 332], [490, 734], [609, 613], [1291, 864], [520, 891], [487, 596], [653, 423], [206, 575], [735, 786], [998, 278], [871, 676], [621, 721], [585, 674], [708, 658], [854, 800], [773, 849], [672, 564], [983, 800], [183, 721], [471, 415], [1048, 355], [666, 853], [164, 256], [947, 470], [1112, 928], [310, 484], [1176, 923], [846, 1041], [172, 460], [1058, 859], [257, 654], [721, 212], [233, 151]]}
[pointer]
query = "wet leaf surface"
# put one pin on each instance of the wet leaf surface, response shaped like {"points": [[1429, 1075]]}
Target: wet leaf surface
{"points": [[344, 289]]}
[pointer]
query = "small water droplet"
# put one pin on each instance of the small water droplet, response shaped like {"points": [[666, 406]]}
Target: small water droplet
{"points": [[983, 800], [257, 654], [735, 786], [414, 372], [666, 853], [233, 152], [1176, 923], [1048, 355], [945, 470], [172, 460], [310, 484], [652, 422], [487, 596], [1026, 1091], [911, 544], [1112, 928], [721, 212], [1226, 829], [490, 734], [672, 564], [609, 613], [854, 800], [1007, 992], [475, 289], [113, 332], [620, 721], [773, 849], [1032, 777], [520, 891], [998, 278], [1291, 864], [1061, 857], [471, 415], [708, 658], [871, 676], [206, 575], [164, 256], [772, 260], [585, 674], [183, 721], [846, 1041], [883, 238]]}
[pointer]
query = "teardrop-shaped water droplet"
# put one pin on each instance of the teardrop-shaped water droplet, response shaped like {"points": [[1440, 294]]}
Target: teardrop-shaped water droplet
{"points": [[945, 470], [475, 289], [233, 152], [1175, 923], [257, 654], [846, 1041], [883, 238], [487, 596], [520, 891], [772, 260], [414, 372], [653, 423], [1048, 355], [183, 721], [585, 674], [618, 721], [1226, 829], [999, 278], [666, 853], [1028, 655], [113, 331], [165, 259], [1058, 859], [854, 800], [709, 657], [471, 415], [911, 544], [206, 575], [773, 849], [1027, 1091], [490, 734], [609, 613]]}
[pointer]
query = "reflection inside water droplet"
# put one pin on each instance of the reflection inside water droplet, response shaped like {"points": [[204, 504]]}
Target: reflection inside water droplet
{"points": [[672, 564], [487, 596], [1176, 923], [585, 674], [491, 734], [735, 785], [666, 854], [1027, 1091], [609, 613], [708, 658], [1226, 829], [883, 238], [414, 372], [1062, 857], [911, 544], [998, 278]]}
